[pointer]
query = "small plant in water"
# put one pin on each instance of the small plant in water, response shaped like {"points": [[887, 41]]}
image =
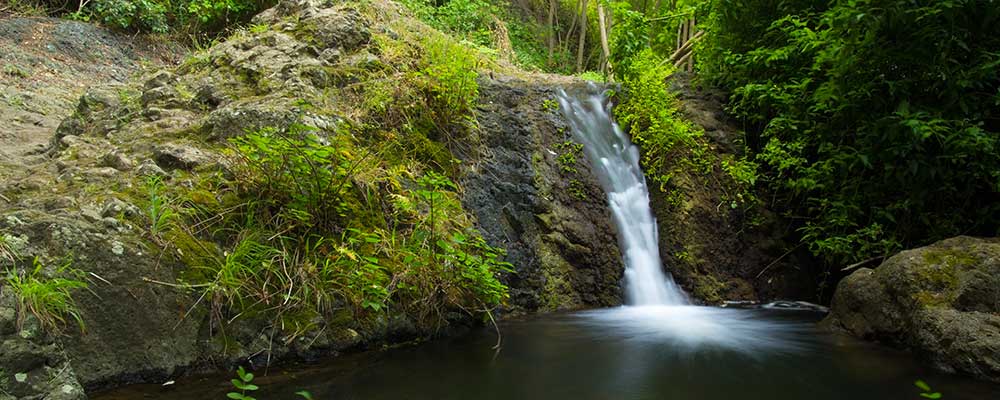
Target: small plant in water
{"points": [[926, 391], [244, 384]]}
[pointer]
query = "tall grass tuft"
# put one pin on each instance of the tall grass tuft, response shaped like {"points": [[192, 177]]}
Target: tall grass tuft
{"points": [[48, 298]]}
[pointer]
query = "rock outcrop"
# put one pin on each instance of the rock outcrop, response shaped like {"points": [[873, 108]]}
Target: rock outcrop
{"points": [[534, 194], [86, 200], [941, 301]]}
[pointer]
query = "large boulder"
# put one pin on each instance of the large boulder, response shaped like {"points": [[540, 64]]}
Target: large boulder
{"points": [[941, 301]]}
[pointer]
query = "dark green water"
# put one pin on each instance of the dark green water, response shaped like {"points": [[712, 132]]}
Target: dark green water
{"points": [[611, 354]]}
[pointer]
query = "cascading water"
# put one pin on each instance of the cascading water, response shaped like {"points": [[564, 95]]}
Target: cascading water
{"points": [[616, 163], [657, 309]]}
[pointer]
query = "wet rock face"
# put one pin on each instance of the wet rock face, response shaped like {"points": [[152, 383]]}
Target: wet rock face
{"points": [[941, 301], [535, 196]]}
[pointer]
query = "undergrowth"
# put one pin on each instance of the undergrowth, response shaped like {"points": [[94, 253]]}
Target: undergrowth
{"points": [[47, 296], [350, 224], [671, 144]]}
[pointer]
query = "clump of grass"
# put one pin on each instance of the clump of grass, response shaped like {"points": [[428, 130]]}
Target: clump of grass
{"points": [[158, 211], [49, 299]]}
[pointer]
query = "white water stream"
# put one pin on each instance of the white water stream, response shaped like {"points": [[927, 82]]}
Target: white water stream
{"points": [[656, 308], [616, 163]]}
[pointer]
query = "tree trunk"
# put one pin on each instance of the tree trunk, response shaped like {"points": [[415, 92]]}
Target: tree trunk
{"points": [[583, 36], [552, 31], [604, 40]]}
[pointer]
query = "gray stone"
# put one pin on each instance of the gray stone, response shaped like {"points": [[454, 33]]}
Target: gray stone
{"points": [[8, 320], [178, 156], [164, 96], [115, 207], [238, 119], [117, 160], [21, 355], [563, 247], [69, 140], [149, 168], [160, 79], [941, 301]]}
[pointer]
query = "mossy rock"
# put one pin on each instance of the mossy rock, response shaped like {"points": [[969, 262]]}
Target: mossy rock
{"points": [[942, 301]]}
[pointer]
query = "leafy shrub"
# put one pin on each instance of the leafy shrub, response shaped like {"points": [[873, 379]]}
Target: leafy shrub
{"points": [[475, 21], [312, 237], [649, 113], [298, 177], [876, 121], [161, 16], [450, 81], [48, 298]]}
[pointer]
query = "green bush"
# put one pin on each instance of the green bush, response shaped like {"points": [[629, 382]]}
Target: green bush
{"points": [[876, 121], [162, 16], [298, 177], [449, 74], [649, 113], [321, 224], [475, 21]]}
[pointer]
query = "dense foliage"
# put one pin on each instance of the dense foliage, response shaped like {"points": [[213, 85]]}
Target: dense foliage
{"points": [[157, 16], [489, 24], [877, 121]]}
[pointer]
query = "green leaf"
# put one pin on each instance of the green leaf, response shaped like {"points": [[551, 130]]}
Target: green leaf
{"points": [[922, 385], [20, 377], [233, 395], [935, 395], [304, 394], [250, 387]]}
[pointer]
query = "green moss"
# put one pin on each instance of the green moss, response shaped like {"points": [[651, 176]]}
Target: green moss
{"points": [[931, 299], [195, 253], [569, 153], [550, 105], [938, 277], [708, 288], [948, 257], [577, 189]]}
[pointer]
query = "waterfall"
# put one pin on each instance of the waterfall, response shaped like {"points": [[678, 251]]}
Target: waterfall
{"points": [[615, 161], [657, 309]]}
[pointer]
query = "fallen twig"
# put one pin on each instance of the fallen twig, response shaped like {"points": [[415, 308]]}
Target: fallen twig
{"points": [[776, 260], [100, 279], [174, 285], [862, 263]]}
